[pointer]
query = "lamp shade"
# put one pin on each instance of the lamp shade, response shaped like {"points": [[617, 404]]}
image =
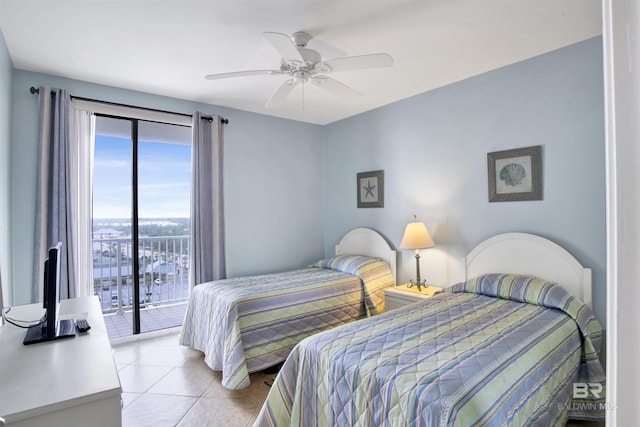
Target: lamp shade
{"points": [[416, 236]]}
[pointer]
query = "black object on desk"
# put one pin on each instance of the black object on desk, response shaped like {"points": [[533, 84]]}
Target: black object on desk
{"points": [[82, 325]]}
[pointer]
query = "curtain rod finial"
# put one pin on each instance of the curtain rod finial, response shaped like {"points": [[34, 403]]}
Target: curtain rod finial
{"points": [[34, 90]]}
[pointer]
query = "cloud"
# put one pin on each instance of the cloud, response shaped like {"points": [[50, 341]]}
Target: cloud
{"points": [[111, 164], [164, 175]]}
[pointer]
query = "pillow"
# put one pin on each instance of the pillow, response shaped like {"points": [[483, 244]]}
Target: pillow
{"points": [[533, 290], [515, 287], [374, 273], [352, 264]]}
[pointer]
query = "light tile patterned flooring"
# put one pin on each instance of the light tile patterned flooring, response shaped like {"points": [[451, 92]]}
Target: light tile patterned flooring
{"points": [[151, 319], [165, 384]]}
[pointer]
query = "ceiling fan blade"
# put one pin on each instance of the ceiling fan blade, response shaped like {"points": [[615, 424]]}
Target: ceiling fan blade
{"points": [[335, 87], [285, 46], [281, 94], [243, 74], [374, 60]]}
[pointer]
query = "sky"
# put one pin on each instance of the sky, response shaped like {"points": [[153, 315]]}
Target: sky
{"points": [[164, 173]]}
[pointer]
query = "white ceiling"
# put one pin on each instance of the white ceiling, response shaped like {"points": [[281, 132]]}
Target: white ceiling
{"points": [[166, 47]]}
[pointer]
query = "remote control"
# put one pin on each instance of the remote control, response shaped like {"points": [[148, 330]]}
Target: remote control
{"points": [[82, 325]]}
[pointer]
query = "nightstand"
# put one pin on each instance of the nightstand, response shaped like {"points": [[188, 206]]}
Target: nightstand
{"points": [[402, 295]]}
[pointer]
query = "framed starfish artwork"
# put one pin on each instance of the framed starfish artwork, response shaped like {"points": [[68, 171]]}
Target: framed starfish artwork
{"points": [[371, 189]]}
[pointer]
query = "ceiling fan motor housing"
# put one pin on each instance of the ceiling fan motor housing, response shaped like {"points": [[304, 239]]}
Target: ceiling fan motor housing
{"points": [[301, 71]]}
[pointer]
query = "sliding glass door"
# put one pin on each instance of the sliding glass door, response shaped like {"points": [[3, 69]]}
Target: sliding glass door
{"points": [[141, 223]]}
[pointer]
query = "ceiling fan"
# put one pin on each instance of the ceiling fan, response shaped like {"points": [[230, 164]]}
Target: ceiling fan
{"points": [[306, 65]]}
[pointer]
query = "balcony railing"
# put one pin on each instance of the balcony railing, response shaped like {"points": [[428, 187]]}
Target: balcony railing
{"points": [[163, 272]]}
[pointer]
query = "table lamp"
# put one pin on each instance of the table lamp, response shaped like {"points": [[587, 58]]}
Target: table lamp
{"points": [[416, 236]]}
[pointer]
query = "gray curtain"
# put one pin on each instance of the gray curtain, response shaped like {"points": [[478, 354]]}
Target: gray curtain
{"points": [[207, 204], [54, 210]]}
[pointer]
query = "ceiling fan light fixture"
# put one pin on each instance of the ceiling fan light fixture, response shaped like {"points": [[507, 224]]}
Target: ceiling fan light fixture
{"points": [[300, 76]]}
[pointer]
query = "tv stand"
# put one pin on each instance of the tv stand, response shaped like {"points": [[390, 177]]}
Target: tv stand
{"points": [[61, 383], [64, 329]]}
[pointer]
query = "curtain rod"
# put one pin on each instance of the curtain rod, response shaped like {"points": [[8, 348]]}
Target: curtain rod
{"points": [[35, 90]]}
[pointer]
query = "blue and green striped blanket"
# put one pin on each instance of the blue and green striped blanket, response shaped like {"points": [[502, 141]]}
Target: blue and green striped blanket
{"points": [[496, 350], [246, 324]]}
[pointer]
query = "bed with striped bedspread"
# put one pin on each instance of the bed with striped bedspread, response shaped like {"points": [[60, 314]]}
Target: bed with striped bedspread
{"points": [[247, 324], [498, 350]]}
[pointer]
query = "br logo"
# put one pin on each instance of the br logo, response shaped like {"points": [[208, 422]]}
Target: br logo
{"points": [[586, 390]]}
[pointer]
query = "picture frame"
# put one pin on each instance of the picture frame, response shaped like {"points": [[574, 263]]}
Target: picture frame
{"points": [[370, 189], [515, 175]]}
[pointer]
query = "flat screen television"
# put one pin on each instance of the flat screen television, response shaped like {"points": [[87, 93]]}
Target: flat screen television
{"points": [[51, 329]]}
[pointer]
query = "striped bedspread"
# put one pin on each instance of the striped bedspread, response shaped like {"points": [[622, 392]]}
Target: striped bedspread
{"points": [[502, 350], [246, 324]]}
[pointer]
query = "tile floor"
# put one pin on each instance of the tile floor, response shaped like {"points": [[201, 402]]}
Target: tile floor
{"points": [[165, 384]]}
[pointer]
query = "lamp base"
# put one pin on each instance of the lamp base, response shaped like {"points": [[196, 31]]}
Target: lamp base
{"points": [[418, 284]]}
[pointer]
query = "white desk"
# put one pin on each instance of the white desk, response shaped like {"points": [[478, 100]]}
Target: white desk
{"points": [[68, 382]]}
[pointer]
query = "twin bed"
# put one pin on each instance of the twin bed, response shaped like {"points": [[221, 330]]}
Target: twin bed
{"points": [[247, 324], [511, 345], [516, 343]]}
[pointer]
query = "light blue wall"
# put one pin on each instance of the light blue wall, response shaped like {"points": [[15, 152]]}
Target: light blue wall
{"points": [[273, 174], [433, 148], [6, 74]]}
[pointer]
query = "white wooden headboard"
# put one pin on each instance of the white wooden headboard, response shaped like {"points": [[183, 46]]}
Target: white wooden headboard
{"points": [[522, 253], [365, 241]]}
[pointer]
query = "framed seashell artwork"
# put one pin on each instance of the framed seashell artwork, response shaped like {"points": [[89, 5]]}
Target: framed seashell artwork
{"points": [[370, 189], [515, 175]]}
